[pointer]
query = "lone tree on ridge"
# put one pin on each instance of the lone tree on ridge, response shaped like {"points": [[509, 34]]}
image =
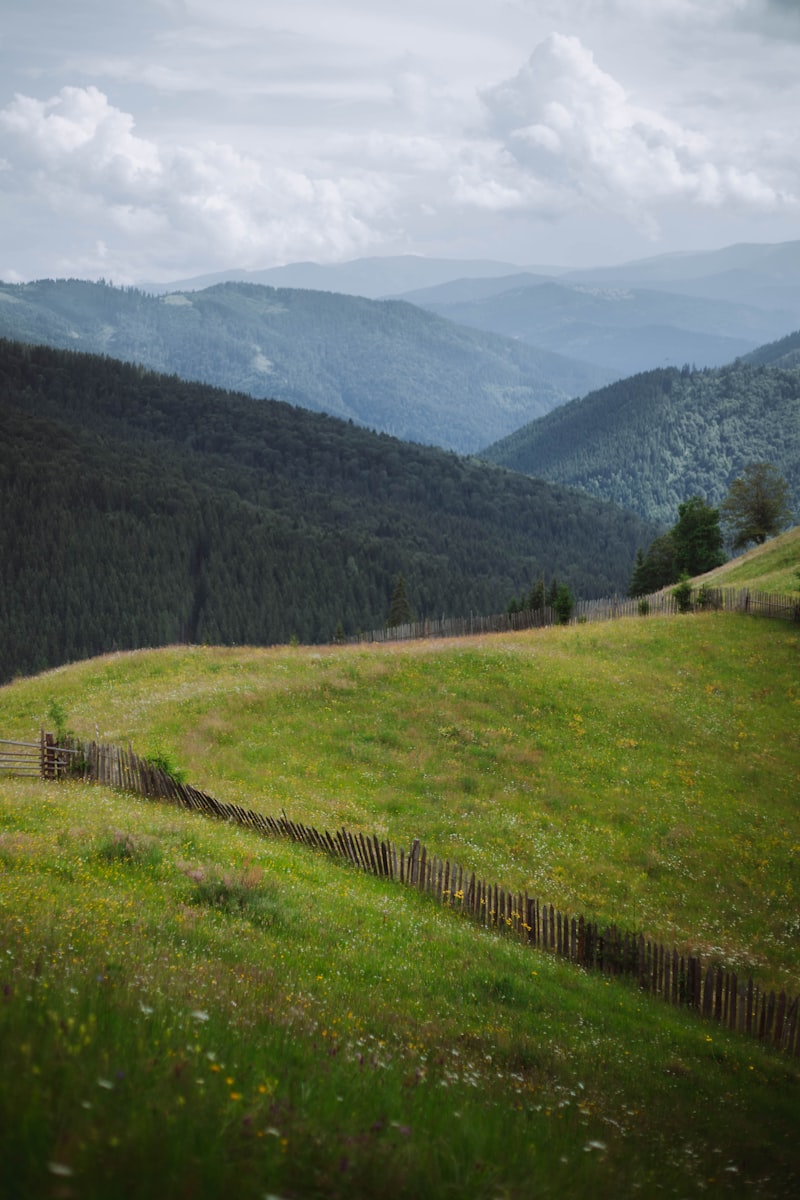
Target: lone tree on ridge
{"points": [[757, 505]]}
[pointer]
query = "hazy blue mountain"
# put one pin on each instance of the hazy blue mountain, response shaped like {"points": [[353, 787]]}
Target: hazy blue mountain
{"points": [[385, 364], [653, 440], [459, 291], [370, 277], [622, 328], [759, 275]]}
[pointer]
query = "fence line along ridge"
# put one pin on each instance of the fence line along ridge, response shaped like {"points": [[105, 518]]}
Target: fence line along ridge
{"points": [[679, 979], [703, 599]]}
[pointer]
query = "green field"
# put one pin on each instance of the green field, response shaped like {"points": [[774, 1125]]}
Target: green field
{"points": [[773, 567], [188, 1007]]}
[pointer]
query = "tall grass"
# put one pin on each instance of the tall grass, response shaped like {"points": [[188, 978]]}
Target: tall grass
{"points": [[362, 1042]]}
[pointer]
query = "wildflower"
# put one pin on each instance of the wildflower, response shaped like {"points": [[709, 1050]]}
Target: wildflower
{"points": [[57, 1168], [105, 1083], [199, 1015]]}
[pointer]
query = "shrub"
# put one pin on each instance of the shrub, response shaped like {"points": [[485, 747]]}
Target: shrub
{"points": [[644, 607], [162, 760], [683, 594], [57, 715]]}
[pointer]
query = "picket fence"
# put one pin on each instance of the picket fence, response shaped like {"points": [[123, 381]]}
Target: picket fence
{"points": [[713, 991], [703, 599]]}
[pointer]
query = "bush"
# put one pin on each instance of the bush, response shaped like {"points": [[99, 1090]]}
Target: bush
{"points": [[683, 594], [162, 760], [644, 607]]}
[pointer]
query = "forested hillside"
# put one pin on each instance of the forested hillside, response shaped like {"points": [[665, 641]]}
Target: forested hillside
{"points": [[652, 441], [138, 509], [387, 365], [783, 353]]}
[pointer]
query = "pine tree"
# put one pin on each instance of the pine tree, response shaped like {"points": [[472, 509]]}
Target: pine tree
{"points": [[399, 609]]}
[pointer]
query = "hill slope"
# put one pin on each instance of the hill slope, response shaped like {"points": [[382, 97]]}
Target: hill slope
{"points": [[773, 567], [386, 365], [197, 1009], [654, 440], [140, 510]]}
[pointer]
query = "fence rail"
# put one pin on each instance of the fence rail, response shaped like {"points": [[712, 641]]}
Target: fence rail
{"points": [[713, 991], [703, 598], [43, 759]]}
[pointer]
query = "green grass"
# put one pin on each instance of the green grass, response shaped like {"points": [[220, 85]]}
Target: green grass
{"points": [[608, 769], [773, 567], [361, 1042], [190, 1008]]}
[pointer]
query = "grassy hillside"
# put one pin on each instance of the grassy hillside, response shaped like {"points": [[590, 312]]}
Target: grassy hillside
{"points": [[387, 365], [318, 1033], [773, 567], [652, 441]]}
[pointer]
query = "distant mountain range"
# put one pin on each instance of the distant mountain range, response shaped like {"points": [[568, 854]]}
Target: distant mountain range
{"points": [[701, 309], [387, 365], [655, 439], [696, 309], [624, 329], [374, 278]]}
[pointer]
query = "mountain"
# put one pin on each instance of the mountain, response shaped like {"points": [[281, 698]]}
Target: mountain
{"points": [[622, 328], [384, 364], [762, 275], [654, 440], [140, 510], [370, 277], [783, 353]]}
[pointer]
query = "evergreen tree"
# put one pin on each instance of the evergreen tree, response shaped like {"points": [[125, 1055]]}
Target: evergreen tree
{"points": [[697, 537], [564, 604], [399, 609], [537, 595], [638, 585], [659, 565]]}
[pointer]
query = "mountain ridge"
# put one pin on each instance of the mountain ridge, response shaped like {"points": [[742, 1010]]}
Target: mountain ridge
{"points": [[384, 364]]}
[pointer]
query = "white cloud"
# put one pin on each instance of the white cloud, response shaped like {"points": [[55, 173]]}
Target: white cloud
{"points": [[565, 120], [188, 136], [80, 155]]}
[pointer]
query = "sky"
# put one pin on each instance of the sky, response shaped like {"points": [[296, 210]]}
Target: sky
{"points": [[160, 139]]}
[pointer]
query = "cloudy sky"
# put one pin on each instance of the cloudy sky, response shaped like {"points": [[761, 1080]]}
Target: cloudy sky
{"points": [[157, 139]]}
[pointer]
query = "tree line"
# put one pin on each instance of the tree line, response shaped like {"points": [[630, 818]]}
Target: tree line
{"points": [[755, 508]]}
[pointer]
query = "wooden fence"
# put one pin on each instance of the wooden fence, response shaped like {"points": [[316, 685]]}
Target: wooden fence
{"points": [[713, 991], [43, 759], [703, 598]]}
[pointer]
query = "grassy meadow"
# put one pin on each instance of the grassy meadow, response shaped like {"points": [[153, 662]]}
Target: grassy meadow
{"points": [[773, 567], [188, 1008]]}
